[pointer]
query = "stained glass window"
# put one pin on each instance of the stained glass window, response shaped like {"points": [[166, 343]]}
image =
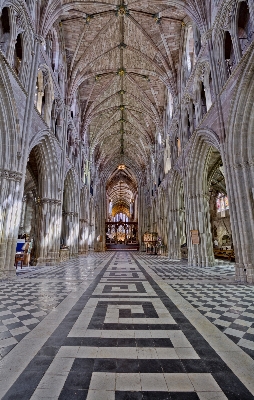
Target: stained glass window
{"points": [[222, 203]]}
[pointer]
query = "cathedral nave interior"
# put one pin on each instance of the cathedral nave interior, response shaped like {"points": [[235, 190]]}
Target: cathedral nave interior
{"points": [[127, 198]]}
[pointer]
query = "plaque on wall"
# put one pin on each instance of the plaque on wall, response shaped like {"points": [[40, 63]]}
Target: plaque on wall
{"points": [[195, 236]]}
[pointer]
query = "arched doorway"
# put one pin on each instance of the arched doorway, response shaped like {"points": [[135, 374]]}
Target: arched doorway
{"points": [[205, 181], [41, 209]]}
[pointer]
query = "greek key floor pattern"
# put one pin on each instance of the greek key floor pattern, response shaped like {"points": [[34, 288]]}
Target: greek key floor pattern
{"points": [[112, 328]]}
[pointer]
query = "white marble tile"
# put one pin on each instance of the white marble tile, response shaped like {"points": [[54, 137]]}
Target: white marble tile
{"points": [[178, 382], [128, 382], [100, 395], [204, 382], [153, 382]]}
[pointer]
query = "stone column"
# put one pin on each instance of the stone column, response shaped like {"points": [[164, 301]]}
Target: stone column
{"points": [[240, 186], [70, 231], [48, 231], [205, 76], [100, 216], [10, 211], [23, 215], [83, 236], [197, 218], [174, 251], [142, 210]]}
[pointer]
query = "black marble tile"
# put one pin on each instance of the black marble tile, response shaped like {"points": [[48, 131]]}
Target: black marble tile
{"points": [[48, 351], [20, 336], [127, 365], [173, 366], [39, 363], [128, 395], [25, 386], [234, 339], [248, 336], [155, 396], [78, 380], [146, 342], [162, 342], [183, 396], [105, 365], [151, 366], [126, 342], [248, 351], [84, 365], [6, 350], [14, 325], [73, 394], [5, 335]]}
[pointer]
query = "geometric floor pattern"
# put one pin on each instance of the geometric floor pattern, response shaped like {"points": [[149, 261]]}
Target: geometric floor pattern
{"points": [[229, 307], [179, 270], [26, 300], [114, 329]]}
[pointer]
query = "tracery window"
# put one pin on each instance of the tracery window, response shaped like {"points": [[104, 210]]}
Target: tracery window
{"points": [[245, 28], [18, 54], [190, 53]]}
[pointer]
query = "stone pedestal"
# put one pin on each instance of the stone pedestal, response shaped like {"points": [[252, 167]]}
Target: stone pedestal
{"points": [[64, 255]]}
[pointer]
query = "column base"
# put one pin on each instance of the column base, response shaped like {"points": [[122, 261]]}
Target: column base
{"points": [[74, 255], [250, 273], [6, 274], [240, 273], [52, 259], [2, 255]]}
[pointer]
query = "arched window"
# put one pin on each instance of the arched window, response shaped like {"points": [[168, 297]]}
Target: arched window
{"points": [[190, 53], [49, 46], [4, 30], [245, 31], [18, 54], [170, 106], [197, 40], [203, 100], [229, 54], [178, 143], [222, 202], [194, 116]]}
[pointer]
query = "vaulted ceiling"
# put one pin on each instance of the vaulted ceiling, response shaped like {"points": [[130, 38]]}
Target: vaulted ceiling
{"points": [[122, 59]]}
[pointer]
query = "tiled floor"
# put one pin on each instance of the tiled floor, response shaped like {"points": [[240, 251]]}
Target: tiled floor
{"points": [[179, 270], [121, 326]]}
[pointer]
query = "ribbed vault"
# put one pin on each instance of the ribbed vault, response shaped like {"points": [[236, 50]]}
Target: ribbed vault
{"points": [[122, 61], [121, 190]]}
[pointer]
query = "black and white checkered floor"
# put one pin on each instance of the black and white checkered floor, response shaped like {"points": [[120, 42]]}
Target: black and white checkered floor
{"points": [[122, 326], [179, 270], [230, 308]]}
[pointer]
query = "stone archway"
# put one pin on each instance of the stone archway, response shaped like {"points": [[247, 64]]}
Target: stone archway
{"points": [[42, 166], [197, 202]]}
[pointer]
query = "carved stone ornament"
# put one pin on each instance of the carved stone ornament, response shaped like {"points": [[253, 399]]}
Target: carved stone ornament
{"points": [[202, 69], [207, 35], [19, 25], [10, 175], [45, 200], [227, 20], [186, 99], [174, 126]]}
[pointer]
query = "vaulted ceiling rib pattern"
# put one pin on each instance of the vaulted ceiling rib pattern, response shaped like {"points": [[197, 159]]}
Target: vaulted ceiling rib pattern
{"points": [[122, 57]]}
